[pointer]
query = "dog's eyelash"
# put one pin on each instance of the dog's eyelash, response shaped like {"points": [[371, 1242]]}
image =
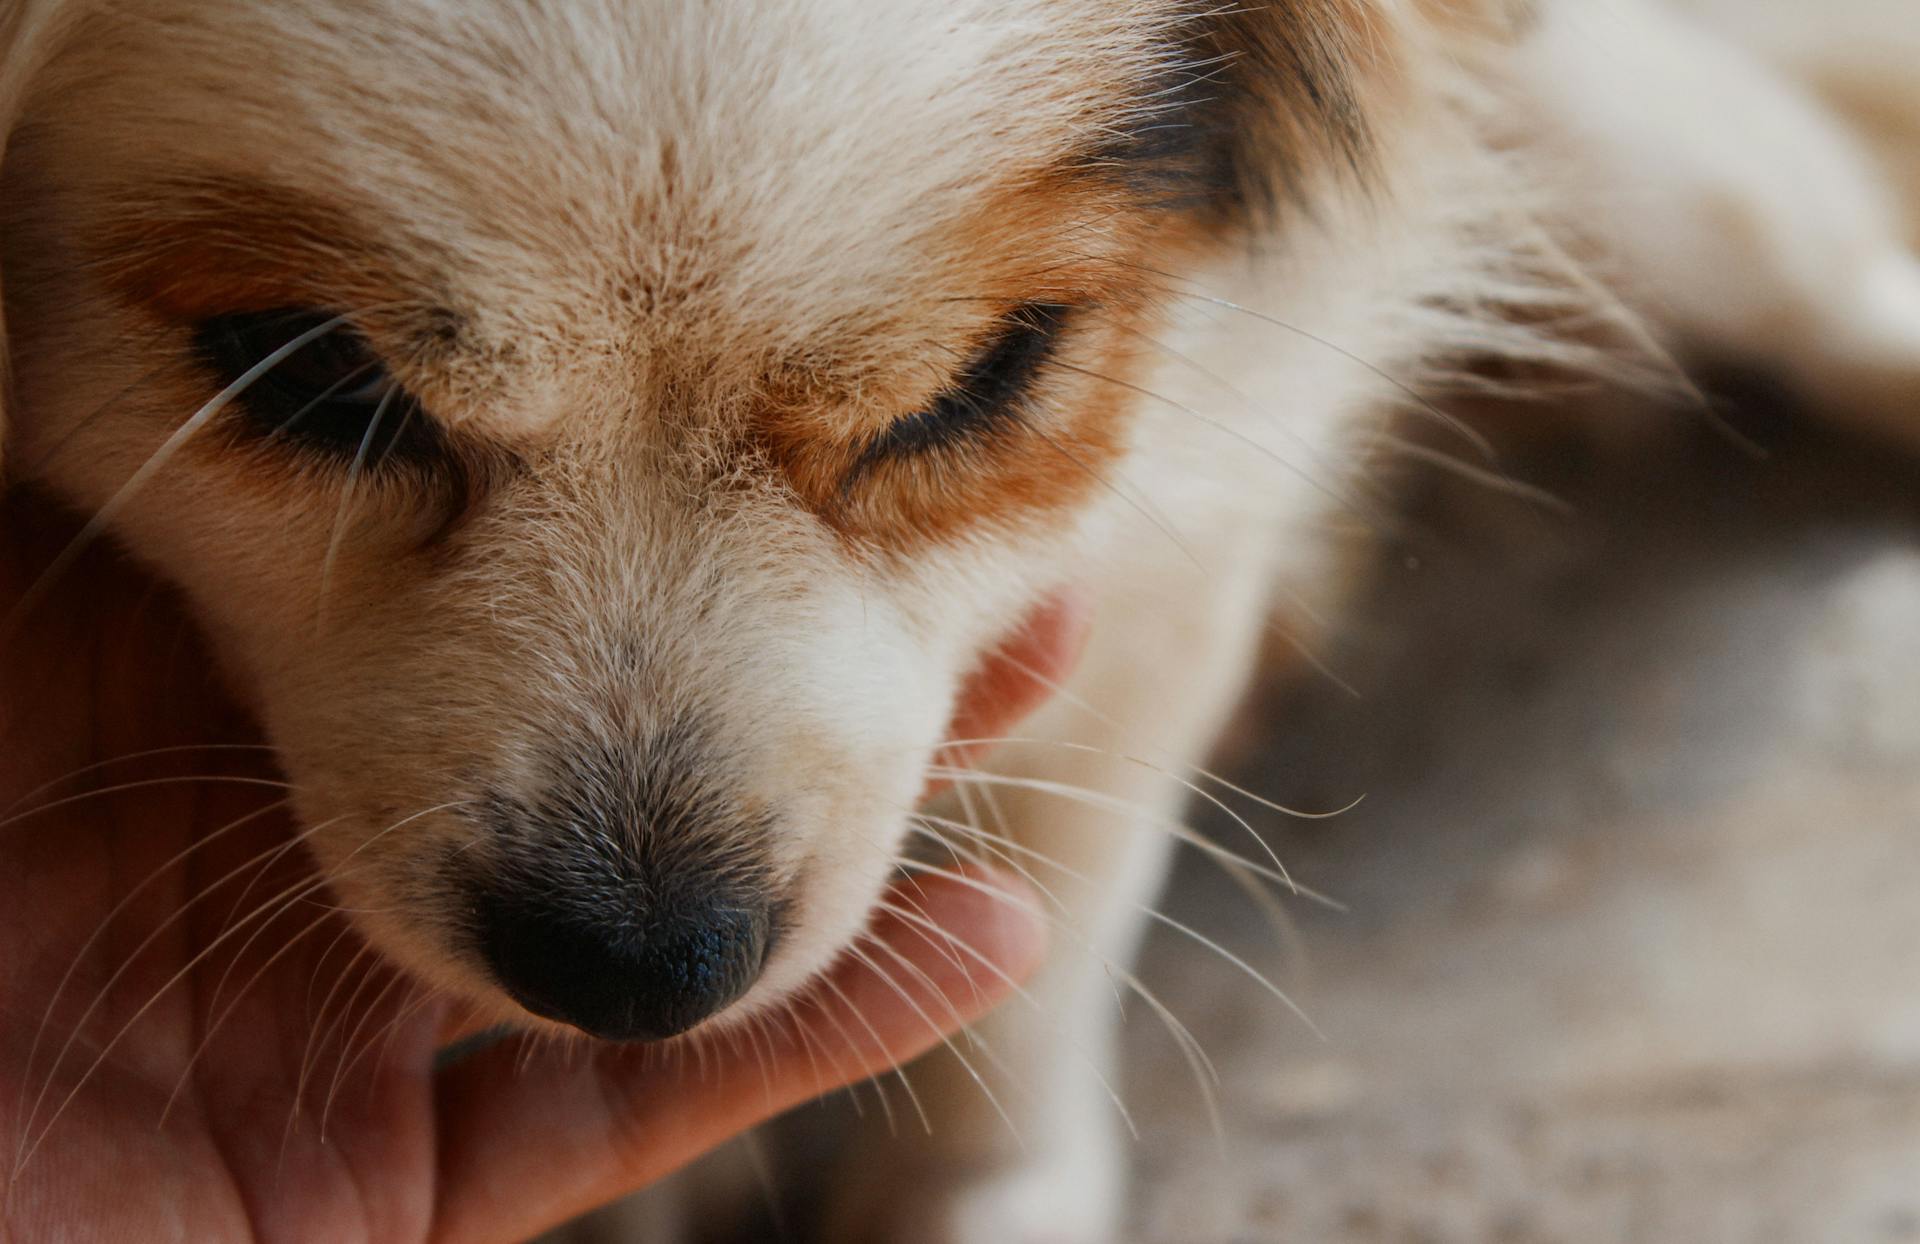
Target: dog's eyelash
{"points": [[987, 395], [331, 397]]}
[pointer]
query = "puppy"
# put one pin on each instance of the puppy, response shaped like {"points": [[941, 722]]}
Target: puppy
{"points": [[600, 437]]}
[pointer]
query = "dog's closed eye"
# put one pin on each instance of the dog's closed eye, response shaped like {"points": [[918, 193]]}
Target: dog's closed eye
{"points": [[987, 393], [331, 397]]}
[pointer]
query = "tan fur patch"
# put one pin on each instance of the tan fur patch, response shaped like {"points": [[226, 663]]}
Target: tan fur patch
{"points": [[215, 247], [1502, 20], [1043, 461]]}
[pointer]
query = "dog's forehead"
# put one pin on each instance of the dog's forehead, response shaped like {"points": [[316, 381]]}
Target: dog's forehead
{"points": [[794, 158]]}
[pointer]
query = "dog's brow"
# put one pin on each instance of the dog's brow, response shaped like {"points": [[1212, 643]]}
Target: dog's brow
{"points": [[203, 246]]}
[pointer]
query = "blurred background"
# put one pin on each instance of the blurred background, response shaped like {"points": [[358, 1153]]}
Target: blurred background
{"points": [[1631, 940]]}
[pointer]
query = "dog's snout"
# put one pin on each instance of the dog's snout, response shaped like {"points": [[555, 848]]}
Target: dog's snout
{"points": [[622, 978]]}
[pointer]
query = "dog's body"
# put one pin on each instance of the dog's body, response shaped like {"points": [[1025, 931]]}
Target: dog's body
{"points": [[756, 368]]}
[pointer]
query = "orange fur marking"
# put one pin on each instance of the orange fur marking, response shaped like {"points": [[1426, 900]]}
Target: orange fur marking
{"points": [[215, 247], [1039, 464]]}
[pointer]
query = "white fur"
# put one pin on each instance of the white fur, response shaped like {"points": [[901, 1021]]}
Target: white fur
{"points": [[641, 209]]}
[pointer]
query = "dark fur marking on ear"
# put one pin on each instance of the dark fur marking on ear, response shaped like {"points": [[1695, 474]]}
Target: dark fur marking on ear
{"points": [[1249, 105]]}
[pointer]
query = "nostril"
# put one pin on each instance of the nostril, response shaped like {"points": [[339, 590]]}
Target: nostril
{"points": [[619, 978]]}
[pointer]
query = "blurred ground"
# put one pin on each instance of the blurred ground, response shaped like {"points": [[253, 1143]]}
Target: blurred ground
{"points": [[1632, 946]]}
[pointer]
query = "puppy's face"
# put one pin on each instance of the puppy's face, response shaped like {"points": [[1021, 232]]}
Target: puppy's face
{"points": [[602, 436]]}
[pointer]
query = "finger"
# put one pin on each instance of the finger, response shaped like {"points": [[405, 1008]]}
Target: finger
{"points": [[1018, 676], [533, 1138]]}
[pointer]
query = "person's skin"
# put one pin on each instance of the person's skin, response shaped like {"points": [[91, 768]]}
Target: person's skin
{"points": [[274, 1083]]}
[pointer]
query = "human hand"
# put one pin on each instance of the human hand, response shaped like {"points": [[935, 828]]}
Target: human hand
{"points": [[196, 1046]]}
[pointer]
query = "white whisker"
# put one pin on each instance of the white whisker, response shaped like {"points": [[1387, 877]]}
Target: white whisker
{"points": [[104, 517]]}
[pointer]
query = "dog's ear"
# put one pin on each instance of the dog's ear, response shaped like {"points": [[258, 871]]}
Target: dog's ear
{"points": [[1258, 105], [28, 30], [1266, 104]]}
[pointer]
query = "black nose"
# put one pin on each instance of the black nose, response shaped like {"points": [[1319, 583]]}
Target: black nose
{"points": [[621, 978]]}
